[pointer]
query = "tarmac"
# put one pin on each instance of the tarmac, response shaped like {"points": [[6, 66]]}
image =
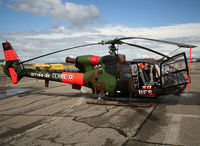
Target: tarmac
{"points": [[33, 115]]}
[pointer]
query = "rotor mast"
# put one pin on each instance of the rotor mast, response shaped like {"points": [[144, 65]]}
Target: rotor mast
{"points": [[113, 50]]}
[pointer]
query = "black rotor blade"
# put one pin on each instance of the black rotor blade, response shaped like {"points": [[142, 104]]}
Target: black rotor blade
{"points": [[148, 49], [161, 41], [58, 52]]}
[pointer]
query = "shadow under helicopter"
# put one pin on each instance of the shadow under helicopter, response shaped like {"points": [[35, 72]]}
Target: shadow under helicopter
{"points": [[5, 93], [193, 98]]}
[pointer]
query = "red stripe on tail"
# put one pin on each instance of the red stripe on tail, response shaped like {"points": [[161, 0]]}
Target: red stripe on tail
{"points": [[10, 55], [13, 75]]}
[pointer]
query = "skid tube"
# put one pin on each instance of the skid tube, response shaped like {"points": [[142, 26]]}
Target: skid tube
{"points": [[101, 102], [120, 104]]}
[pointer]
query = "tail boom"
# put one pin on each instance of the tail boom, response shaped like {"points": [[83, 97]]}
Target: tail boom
{"points": [[16, 70]]}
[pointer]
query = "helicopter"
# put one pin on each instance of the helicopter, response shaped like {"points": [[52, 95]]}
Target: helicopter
{"points": [[112, 74]]}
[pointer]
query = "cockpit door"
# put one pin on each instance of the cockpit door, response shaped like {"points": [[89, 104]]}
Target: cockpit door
{"points": [[174, 71], [126, 77]]}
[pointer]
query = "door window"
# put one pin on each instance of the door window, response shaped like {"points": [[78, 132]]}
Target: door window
{"points": [[174, 71]]}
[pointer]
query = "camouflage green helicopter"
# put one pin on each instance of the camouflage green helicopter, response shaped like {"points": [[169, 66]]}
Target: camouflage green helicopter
{"points": [[112, 74]]}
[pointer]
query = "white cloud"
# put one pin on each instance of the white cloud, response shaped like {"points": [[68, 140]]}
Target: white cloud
{"points": [[0, 2], [35, 6], [75, 14], [31, 44], [191, 29]]}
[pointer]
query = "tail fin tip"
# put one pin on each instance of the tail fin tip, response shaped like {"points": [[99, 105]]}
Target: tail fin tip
{"points": [[9, 52]]}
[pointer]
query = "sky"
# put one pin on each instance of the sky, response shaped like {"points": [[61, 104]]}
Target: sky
{"points": [[36, 27]]}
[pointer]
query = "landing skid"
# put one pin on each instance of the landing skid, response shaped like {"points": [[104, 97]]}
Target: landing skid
{"points": [[100, 101], [120, 104]]}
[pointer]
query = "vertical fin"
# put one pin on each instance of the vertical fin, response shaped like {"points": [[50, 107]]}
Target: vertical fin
{"points": [[9, 52], [12, 67]]}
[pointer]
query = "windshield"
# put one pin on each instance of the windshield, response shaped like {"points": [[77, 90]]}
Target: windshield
{"points": [[174, 71]]}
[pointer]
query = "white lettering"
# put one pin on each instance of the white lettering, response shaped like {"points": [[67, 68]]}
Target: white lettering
{"points": [[149, 91], [64, 76], [46, 75], [140, 92], [56, 75], [144, 92]]}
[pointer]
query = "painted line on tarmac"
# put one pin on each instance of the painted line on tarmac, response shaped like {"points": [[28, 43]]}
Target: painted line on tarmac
{"points": [[77, 103], [49, 121], [184, 115], [173, 129]]}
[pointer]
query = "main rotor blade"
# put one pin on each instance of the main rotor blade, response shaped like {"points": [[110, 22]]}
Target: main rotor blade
{"points": [[58, 52], [148, 49], [161, 41]]}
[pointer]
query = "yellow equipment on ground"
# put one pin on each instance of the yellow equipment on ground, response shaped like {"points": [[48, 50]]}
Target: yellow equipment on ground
{"points": [[50, 66]]}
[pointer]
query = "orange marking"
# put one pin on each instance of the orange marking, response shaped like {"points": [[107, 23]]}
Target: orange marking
{"points": [[94, 60], [10, 55], [72, 78], [141, 65], [144, 87], [13, 75]]}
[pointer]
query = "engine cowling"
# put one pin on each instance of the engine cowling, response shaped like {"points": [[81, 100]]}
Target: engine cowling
{"points": [[87, 62], [84, 63]]}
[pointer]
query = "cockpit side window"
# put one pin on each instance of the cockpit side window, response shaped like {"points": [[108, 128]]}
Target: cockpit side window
{"points": [[126, 72]]}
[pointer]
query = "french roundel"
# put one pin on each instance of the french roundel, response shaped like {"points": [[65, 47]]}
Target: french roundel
{"points": [[71, 77]]}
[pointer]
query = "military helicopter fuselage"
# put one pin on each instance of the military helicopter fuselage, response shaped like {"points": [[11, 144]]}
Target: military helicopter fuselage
{"points": [[111, 74]]}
